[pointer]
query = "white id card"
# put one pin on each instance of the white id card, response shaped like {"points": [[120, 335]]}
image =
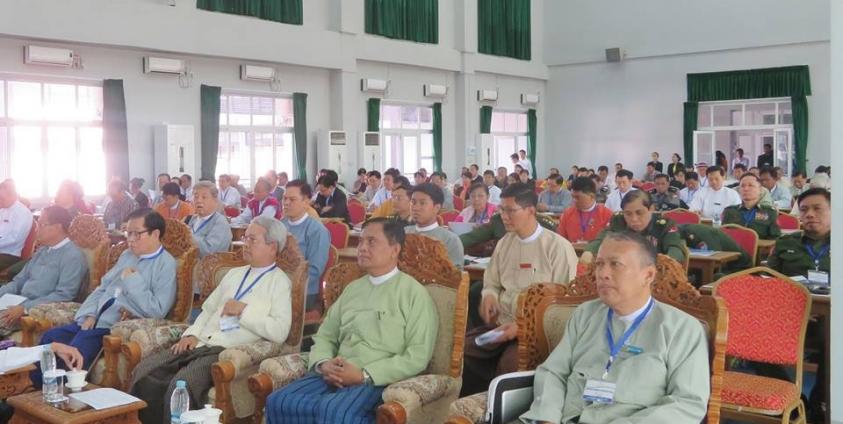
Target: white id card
{"points": [[818, 277], [228, 323], [599, 391]]}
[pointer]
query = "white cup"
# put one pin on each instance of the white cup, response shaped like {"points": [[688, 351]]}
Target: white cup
{"points": [[76, 379]]}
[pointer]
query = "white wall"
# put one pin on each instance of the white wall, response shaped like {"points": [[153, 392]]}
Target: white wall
{"points": [[836, 320]]}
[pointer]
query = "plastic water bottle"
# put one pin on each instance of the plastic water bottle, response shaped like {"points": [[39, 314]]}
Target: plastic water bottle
{"points": [[179, 402], [50, 387], [716, 221]]}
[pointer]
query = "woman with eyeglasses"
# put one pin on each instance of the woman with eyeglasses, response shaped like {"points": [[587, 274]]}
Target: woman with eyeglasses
{"points": [[479, 211]]}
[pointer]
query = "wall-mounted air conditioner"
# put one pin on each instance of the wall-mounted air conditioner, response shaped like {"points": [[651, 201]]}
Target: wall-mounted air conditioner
{"points": [[373, 85], [434, 90], [38, 55], [163, 65], [529, 99], [487, 95], [256, 73]]}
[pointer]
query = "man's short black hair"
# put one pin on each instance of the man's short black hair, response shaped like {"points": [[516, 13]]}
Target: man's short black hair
{"points": [[392, 229], [750, 175], [816, 191], [769, 170], [602, 168], [439, 174], [374, 173], [164, 174], [171, 189], [691, 175], [679, 171], [417, 174], [559, 180], [634, 195], [824, 169], [475, 166], [57, 215], [432, 190], [799, 174], [303, 186], [393, 172], [714, 168], [739, 165], [584, 185], [489, 172], [401, 183], [514, 156], [328, 180], [151, 220], [361, 171], [660, 176], [523, 194], [624, 173], [189, 178], [645, 248], [480, 186], [651, 164], [766, 145]]}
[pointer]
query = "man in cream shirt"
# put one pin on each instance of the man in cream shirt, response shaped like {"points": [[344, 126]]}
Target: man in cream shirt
{"points": [[623, 180], [713, 198], [251, 303]]}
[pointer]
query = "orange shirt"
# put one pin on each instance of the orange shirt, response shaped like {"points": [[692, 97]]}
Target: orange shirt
{"points": [[572, 222], [183, 210]]}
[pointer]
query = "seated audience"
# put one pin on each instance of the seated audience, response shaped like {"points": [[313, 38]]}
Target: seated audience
{"points": [[15, 224], [501, 178], [211, 230], [163, 178], [186, 186], [526, 255], [737, 173], [71, 197], [381, 330], [235, 182], [172, 206], [706, 237], [651, 357], [649, 172], [384, 193], [313, 238], [401, 208], [262, 204], [585, 218], [479, 210], [229, 196], [119, 207], [419, 178], [623, 181], [373, 179], [142, 284], [751, 213], [482, 239], [360, 186], [781, 197], [714, 197], [702, 172], [439, 179], [54, 274], [474, 170], [331, 202], [556, 198], [692, 187], [638, 217], [809, 249], [464, 187], [798, 184], [664, 199], [273, 179], [678, 180], [426, 202], [494, 190], [136, 190]]}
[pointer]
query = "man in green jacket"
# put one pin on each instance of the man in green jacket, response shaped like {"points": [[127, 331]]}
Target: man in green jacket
{"points": [[761, 218]]}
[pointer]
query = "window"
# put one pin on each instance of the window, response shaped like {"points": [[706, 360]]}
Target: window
{"points": [[509, 135], [51, 131], [256, 135], [407, 132]]}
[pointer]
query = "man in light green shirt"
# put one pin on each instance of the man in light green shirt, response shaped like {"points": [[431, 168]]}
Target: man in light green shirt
{"points": [[381, 330], [624, 358]]}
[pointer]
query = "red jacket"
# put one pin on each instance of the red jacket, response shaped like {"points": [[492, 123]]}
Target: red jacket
{"points": [[572, 221], [254, 206]]}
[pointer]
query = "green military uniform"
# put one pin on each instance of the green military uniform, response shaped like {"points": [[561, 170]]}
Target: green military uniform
{"points": [[792, 257], [665, 201], [662, 232], [405, 222], [706, 237], [495, 230], [761, 219]]}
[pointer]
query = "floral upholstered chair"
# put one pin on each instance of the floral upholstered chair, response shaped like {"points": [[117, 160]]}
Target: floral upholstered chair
{"points": [[420, 399], [230, 392]]}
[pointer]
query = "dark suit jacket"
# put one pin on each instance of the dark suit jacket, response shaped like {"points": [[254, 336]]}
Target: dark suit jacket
{"points": [[765, 160], [339, 205], [659, 166], [278, 194]]}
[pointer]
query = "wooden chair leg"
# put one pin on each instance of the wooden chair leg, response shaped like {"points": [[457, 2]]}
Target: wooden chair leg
{"points": [[223, 373], [111, 346], [131, 352], [261, 387]]}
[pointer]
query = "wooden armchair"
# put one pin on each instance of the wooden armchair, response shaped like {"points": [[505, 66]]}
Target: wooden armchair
{"points": [[107, 370], [230, 392], [423, 398], [544, 309]]}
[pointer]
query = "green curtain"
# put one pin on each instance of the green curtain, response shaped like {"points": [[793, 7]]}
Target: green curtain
{"points": [[115, 135], [210, 131], [531, 139], [437, 136], [412, 20], [749, 84], [373, 116], [690, 125], [799, 108], [503, 28], [300, 130], [485, 120], [284, 11]]}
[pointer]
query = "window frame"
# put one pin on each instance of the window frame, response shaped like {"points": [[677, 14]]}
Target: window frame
{"points": [[404, 132], [496, 145]]}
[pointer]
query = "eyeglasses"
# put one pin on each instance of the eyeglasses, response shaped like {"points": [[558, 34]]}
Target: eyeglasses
{"points": [[134, 235], [509, 211], [249, 239]]}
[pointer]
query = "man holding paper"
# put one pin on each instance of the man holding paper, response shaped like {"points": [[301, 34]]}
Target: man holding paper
{"points": [[54, 274], [526, 255]]}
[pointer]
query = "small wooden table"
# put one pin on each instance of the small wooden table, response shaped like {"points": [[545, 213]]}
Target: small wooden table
{"points": [[15, 382], [238, 231], [475, 271], [348, 254], [353, 238], [31, 409], [709, 264]]}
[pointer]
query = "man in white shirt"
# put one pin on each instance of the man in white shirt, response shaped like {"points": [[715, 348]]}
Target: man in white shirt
{"points": [[692, 187], [711, 200], [229, 196], [186, 182], [623, 179], [702, 172], [385, 192], [494, 191], [780, 195], [15, 224], [523, 163]]}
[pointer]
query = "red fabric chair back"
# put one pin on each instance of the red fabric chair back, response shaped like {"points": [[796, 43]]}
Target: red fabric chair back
{"points": [[356, 212], [339, 233], [647, 186], [767, 316], [448, 217], [682, 216], [29, 243], [745, 238], [787, 222], [231, 211], [459, 204]]}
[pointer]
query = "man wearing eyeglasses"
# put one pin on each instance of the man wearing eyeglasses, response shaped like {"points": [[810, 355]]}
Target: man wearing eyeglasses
{"points": [[526, 255], [142, 284], [54, 274]]}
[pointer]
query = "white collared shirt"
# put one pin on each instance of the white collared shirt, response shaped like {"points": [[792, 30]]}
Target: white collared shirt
{"points": [[430, 227], [299, 221], [151, 255], [60, 244], [533, 236], [383, 278], [591, 208], [628, 319], [15, 223], [710, 202], [616, 198]]}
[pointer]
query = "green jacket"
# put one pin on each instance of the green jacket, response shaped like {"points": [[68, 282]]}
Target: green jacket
{"points": [[662, 232], [495, 230], [706, 237], [763, 222], [791, 257]]}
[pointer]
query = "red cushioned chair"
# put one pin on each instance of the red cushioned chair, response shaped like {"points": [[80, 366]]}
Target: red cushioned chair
{"points": [[745, 238], [29, 243], [356, 212], [315, 316], [231, 211], [682, 216], [339, 233], [448, 217], [787, 222], [648, 186], [459, 204], [768, 316]]}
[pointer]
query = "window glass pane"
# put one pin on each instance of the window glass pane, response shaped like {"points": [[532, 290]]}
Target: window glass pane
{"points": [[727, 115], [390, 116], [262, 143], [522, 142], [92, 178], [427, 146], [60, 102], [90, 103], [761, 114], [28, 166], [503, 147], [240, 109], [284, 153], [223, 149], [411, 155], [24, 100], [704, 116], [4, 152], [497, 122], [2, 98], [511, 122], [410, 117], [61, 149], [522, 123], [785, 114], [427, 164], [426, 118], [262, 110], [240, 160], [284, 112], [223, 110]]}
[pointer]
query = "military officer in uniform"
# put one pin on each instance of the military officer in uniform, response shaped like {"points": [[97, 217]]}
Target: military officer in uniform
{"points": [[637, 215], [751, 213], [706, 237], [809, 249], [664, 198]]}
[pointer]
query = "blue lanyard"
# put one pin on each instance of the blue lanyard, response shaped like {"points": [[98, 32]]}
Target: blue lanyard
{"points": [[202, 225], [238, 295], [584, 222], [749, 216], [149, 258], [614, 348], [816, 256]]}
